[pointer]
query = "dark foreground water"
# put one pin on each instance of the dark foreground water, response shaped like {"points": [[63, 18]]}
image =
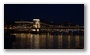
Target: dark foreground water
{"points": [[46, 41]]}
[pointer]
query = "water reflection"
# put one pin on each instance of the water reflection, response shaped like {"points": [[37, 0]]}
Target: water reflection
{"points": [[48, 41]]}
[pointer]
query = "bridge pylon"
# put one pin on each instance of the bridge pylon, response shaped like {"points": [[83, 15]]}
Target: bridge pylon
{"points": [[36, 25]]}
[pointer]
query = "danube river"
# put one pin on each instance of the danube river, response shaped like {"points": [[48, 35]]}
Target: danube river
{"points": [[48, 41]]}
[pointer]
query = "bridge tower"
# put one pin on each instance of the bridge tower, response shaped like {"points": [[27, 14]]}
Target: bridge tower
{"points": [[36, 24]]}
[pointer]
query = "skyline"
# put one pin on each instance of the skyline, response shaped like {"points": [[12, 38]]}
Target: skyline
{"points": [[57, 13]]}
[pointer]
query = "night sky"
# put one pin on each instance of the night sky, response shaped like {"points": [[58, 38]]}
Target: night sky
{"points": [[58, 13]]}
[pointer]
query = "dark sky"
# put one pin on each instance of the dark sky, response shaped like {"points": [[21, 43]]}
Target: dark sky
{"points": [[58, 13]]}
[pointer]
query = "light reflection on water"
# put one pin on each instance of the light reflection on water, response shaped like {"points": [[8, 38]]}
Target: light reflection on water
{"points": [[48, 41]]}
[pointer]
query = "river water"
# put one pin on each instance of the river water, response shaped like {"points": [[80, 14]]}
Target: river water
{"points": [[48, 41]]}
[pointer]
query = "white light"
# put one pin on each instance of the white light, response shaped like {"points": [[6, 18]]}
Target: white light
{"points": [[36, 19], [33, 30], [37, 29]]}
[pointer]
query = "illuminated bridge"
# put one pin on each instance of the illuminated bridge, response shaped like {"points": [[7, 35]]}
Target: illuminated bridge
{"points": [[37, 26]]}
